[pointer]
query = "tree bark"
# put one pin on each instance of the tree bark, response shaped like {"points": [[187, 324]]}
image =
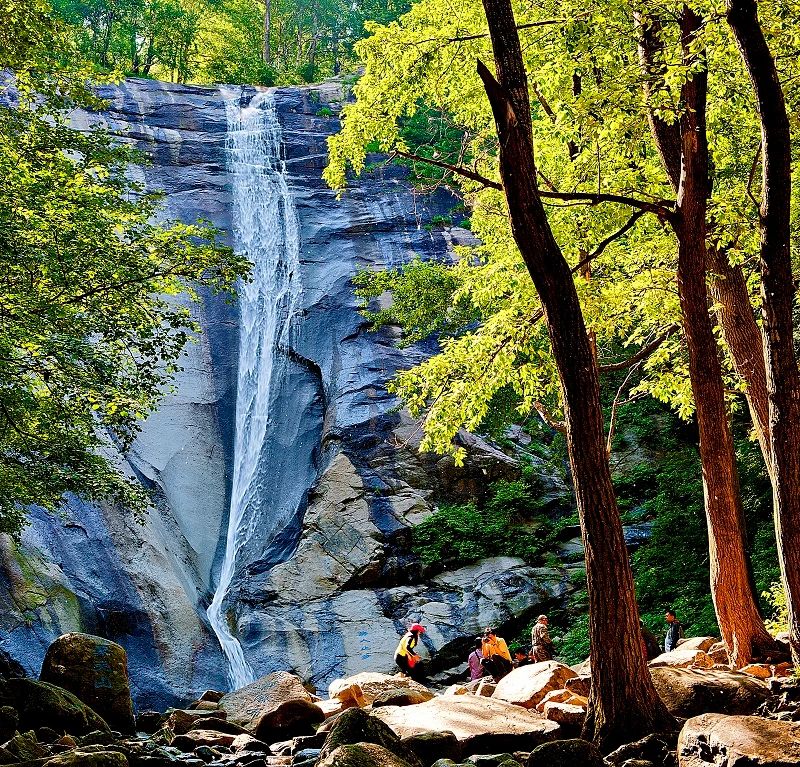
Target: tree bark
{"points": [[731, 587], [777, 294], [734, 312], [623, 704]]}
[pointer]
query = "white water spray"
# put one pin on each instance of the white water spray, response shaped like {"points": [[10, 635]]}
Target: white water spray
{"points": [[265, 229]]}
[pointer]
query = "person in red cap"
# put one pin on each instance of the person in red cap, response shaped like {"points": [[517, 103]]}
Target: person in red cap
{"points": [[404, 656]]}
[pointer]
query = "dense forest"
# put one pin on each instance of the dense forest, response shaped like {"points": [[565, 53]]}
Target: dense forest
{"points": [[628, 303]]}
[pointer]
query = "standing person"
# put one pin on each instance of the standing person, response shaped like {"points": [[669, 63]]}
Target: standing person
{"points": [[404, 656], [496, 657], [541, 644], [674, 631], [476, 670]]}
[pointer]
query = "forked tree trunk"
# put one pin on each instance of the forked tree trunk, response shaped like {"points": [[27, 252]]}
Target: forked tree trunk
{"points": [[623, 704], [683, 147], [777, 294]]}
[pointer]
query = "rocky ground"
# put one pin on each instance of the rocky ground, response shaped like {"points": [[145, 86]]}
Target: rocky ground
{"points": [[79, 712]]}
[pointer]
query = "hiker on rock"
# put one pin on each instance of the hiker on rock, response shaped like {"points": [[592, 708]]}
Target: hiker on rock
{"points": [[404, 656], [674, 631], [476, 670], [541, 644], [496, 657]]}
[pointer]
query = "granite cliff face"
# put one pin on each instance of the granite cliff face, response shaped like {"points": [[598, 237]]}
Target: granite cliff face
{"points": [[330, 588]]}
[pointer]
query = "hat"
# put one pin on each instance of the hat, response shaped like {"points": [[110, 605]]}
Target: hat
{"points": [[417, 627]]}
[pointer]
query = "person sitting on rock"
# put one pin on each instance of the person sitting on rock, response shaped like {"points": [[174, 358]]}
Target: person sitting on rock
{"points": [[496, 657], [476, 670], [521, 657], [674, 631], [404, 656], [541, 644]]}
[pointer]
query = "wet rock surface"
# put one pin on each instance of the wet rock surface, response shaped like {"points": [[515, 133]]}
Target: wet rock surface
{"points": [[298, 601]]}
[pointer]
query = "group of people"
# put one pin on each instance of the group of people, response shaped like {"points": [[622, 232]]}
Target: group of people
{"points": [[491, 655]]}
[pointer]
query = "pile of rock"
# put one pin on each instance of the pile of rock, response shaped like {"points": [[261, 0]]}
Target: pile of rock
{"points": [[79, 713]]}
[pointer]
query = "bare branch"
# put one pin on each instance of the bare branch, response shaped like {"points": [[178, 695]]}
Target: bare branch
{"points": [[641, 355]]}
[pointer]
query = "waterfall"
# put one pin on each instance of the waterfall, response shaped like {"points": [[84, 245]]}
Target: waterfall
{"points": [[265, 229]]}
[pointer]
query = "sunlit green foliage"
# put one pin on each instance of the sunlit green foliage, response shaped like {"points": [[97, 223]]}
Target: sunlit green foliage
{"points": [[223, 40], [90, 331], [591, 136]]}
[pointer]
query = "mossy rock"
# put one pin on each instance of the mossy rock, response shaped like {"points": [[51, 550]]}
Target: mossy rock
{"points": [[362, 755], [40, 704], [566, 753], [356, 726], [80, 758], [96, 671], [430, 747]]}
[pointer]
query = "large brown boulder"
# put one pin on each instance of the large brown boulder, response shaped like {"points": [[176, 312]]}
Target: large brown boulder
{"points": [[715, 740], [180, 721], [362, 689], [697, 643], [95, 670], [681, 658], [189, 741], [689, 692], [481, 725], [288, 720], [246, 706], [40, 704], [526, 686]]}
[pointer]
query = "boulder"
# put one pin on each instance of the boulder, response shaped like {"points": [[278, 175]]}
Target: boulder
{"points": [[697, 643], [148, 721], [526, 686], [402, 696], [486, 688], [718, 652], [88, 759], [580, 685], [362, 689], [249, 743], [10, 668], [287, 720], [566, 753], [758, 670], [214, 696], [247, 705], [568, 715], [40, 704], [653, 749], [24, 747], [180, 721], [9, 721], [683, 659], [429, 747], [456, 689], [481, 725], [357, 726], [194, 738], [689, 692], [95, 670], [492, 760], [362, 755], [554, 696], [738, 741]]}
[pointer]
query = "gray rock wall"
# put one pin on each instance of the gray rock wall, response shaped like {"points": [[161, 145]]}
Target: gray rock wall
{"points": [[333, 590]]}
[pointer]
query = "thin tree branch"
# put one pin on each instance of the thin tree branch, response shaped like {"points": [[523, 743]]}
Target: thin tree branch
{"points": [[612, 422], [642, 354]]}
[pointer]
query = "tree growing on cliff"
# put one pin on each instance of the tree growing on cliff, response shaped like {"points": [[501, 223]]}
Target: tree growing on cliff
{"points": [[90, 333]]}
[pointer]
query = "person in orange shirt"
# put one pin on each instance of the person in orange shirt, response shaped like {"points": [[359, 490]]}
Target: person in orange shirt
{"points": [[496, 657]]}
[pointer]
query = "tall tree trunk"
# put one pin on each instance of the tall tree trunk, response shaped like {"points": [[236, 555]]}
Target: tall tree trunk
{"points": [[777, 294], [267, 50], [731, 588], [623, 704]]}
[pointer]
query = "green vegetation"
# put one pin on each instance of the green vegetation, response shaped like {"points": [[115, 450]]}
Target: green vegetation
{"points": [[223, 40], [89, 332]]}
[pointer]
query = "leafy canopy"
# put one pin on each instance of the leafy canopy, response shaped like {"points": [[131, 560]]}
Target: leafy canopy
{"points": [[90, 331]]}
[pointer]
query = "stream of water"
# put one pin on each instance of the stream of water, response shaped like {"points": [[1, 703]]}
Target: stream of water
{"points": [[265, 229]]}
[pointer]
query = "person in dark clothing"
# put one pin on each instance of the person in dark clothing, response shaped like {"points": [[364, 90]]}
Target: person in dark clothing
{"points": [[652, 648], [674, 631], [521, 657]]}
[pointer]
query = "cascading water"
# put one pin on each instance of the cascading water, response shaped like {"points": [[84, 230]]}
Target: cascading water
{"points": [[265, 229]]}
